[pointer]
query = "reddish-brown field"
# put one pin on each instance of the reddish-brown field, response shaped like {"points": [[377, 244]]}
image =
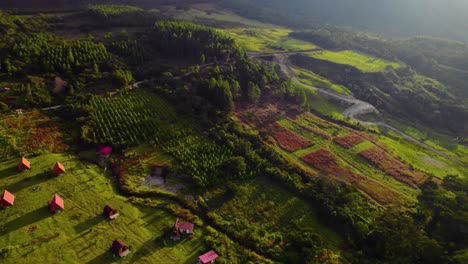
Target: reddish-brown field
{"points": [[326, 161], [288, 140], [392, 166], [34, 133], [349, 140]]}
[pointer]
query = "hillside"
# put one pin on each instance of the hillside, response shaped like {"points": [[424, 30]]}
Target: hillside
{"points": [[277, 145]]}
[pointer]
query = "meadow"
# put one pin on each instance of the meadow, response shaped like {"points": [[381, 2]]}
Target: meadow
{"points": [[364, 63], [80, 234], [316, 80]]}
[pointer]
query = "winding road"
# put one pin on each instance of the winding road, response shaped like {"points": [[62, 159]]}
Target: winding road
{"points": [[357, 107]]}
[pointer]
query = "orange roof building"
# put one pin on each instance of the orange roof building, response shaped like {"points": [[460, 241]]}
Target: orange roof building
{"points": [[7, 199], [24, 164], [56, 205], [59, 169]]}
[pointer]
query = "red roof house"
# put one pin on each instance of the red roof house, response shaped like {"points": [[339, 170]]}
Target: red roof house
{"points": [[208, 257], [7, 199], [24, 164], [110, 212], [56, 205], [105, 151], [120, 248], [180, 227], [59, 169]]}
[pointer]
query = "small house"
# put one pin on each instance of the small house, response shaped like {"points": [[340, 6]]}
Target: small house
{"points": [[120, 248], [110, 212], [59, 169], [56, 205], [19, 112], [5, 89], [181, 228], [7, 199], [208, 257], [105, 151], [24, 164]]}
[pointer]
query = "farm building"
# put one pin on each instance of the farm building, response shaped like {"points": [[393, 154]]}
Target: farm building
{"points": [[110, 212], [120, 248], [24, 164], [59, 169], [208, 257], [105, 151], [7, 199], [181, 228], [56, 205]]}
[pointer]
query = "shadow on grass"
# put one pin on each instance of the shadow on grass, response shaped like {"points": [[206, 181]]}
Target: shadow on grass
{"points": [[25, 220], [89, 223], [149, 247], [28, 182], [106, 257], [9, 172]]}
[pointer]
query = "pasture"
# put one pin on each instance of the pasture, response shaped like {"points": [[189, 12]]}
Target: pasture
{"points": [[80, 234]]}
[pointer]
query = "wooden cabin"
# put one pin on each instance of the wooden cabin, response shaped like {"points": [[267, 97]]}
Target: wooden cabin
{"points": [[7, 199], [56, 205], [24, 164], [58, 169], [181, 228], [208, 257], [120, 248], [110, 212]]}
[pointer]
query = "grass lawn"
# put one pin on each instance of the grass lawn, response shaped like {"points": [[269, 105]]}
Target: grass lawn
{"points": [[315, 80], [360, 61], [80, 234]]}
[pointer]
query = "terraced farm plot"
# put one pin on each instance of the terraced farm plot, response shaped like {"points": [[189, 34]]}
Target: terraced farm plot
{"points": [[289, 140], [349, 141], [392, 166], [29, 233], [364, 63]]}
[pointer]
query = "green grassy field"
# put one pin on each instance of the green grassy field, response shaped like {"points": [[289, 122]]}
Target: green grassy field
{"points": [[267, 39], [80, 234], [315, 80], [363, 62]]}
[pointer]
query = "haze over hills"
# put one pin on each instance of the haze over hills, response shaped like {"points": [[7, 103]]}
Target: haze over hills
{"points": [[445, 19]]}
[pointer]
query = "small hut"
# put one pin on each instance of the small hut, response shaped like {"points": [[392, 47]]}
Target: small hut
{"points": [[56, 205], [120, 248], [24, 164], [110, 212], [208, 257], [105, 151], [7, 199], [58, 169], [19, 112], [181, 228]]}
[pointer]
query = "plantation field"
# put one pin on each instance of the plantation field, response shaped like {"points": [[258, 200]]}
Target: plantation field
{"points": [[80, 234], [315, 80], [136, 117], [365, 63]]}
